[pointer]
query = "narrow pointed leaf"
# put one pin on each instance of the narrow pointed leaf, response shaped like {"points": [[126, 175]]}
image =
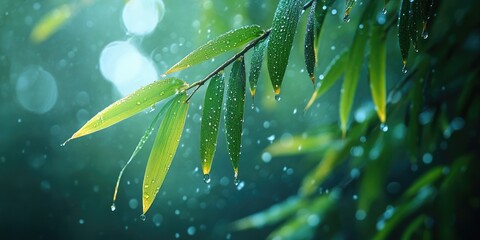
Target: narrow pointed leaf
{"points": [[414, 23], [348, 8], [377, 68], [309, 49], [131, 104], [320, 13], [164, 148], [234, 112], [212, 110], [403, 32], [217, 46], [257, 59], [334, 71], [281, 39], [51, 22], [354, 65]]}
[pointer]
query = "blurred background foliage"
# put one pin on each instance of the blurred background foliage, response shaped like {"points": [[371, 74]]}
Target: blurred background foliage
{"points": [[415, 177]]}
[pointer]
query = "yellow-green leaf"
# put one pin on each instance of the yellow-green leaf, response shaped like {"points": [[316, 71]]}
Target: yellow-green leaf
{"points": [[333, 72], [234, 112], [354, 65], [51, 22], [300, 145], [212, 110], [309, 50], [377, 68], [217, 46], [281, 38], [132, 104], [403, 32], [257, 59], [164, 148]]}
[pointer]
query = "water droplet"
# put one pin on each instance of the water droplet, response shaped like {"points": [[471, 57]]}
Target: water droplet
{"points": [[425, 34], [206, 178], [384, 10], [384, 127], [404, 69], [236, 181], [143, 217], [113, 207], [277, 97], [346, 18]]}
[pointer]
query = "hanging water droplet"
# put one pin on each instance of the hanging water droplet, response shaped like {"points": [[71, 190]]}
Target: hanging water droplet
{"points": [[425, 34], [277, 97], [206, 178], [143, 217], [384, 10], [384, 127], [236, 181], [253, 106], [404, 69], [346, 18], [63, 144], [113, 207]]}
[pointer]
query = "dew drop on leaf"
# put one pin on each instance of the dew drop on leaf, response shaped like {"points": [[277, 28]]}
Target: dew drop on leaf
{"points": [[206, 178], [404, 69], [143, 217], [277, 97]]}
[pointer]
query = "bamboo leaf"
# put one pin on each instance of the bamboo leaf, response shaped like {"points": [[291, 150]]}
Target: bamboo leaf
{"points": [[377, 68], [234, 112], [403, 32], [257, 59], [164, 148], [51, 22], [300, 145], [333, 72], [131, 105], [271, 215], [309, 49], [212, 110], [281, 39], [217, 46], [320, 13], [354, 65]]}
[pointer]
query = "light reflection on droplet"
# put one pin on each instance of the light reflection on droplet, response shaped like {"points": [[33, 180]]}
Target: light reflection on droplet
{"points": [[140, 17]]}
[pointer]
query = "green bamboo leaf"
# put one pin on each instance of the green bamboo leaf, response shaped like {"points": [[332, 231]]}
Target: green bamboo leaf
{"points": [[333, 72], [234, 112], [321, 10], [414, 227], [414, 23], [377, 68], [131, 104], [164, 148], [281, 39], [300, 145], [425, 180], [212, 110], [256, 66], [309, 49], [403, 32], [217, 46], [51, 22], [271, 215], [354, 65]]}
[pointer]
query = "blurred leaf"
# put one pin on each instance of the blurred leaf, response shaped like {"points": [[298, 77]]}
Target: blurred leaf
{"points": [[425, 180], [271, 215], [257, 59], [301, 144], [234, 112], [51, 22], [377, 68], [403, 31], [354, 65], [212, 110], [221, 44], [414, 227], [164, 148], [303, 225], [333, 72], [284, 26], [309, 50], [132, 104]]}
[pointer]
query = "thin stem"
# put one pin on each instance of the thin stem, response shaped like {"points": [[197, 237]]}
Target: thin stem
{"points": [[199, 83]]}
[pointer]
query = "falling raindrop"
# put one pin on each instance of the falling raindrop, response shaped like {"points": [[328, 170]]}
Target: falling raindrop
{"points": [[206, 178]]}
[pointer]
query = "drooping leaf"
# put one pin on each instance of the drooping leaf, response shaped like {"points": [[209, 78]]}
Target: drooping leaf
{"points": [[212, 110], [139, 147], [131, 104], [257, 59], [377, 68], [333, 72], [309, 50], [51, 22], [217, 46], [234, 112], [281, 38], [271, 215], [164, 148], [403, 31]]}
